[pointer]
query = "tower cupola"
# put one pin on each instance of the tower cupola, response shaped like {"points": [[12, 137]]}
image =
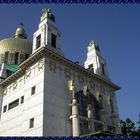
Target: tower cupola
{"points": [[95, 61], [47, 34]]}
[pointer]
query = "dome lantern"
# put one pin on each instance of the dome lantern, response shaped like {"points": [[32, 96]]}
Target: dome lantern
{"points": [[20, 32]]}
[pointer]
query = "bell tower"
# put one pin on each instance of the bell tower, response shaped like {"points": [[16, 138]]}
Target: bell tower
{"points": [[95, 62], [47, 34]]}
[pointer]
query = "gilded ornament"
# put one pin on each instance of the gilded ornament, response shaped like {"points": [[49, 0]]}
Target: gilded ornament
{"points": [[28, 73], [15, 85], [20, 81], [5, 91], [40, 65]]}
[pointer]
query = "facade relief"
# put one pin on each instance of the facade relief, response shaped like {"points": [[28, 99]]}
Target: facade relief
{"points": [[52, 66], [67, 73], [21, 81]]}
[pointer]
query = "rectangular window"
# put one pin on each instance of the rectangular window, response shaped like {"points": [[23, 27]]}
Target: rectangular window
{"points": [[4, 108], [31, 124], [53, 40], [103, 70], [6, 57], [22, 100], [13, 104], [16, 57], [26, 56], [38, 41], [33, 90]]}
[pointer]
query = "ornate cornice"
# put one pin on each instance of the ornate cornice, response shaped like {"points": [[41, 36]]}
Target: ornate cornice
{"points": [[44, 51]]}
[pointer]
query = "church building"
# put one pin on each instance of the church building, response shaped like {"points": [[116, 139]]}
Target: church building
{"points": [[42, 93]]}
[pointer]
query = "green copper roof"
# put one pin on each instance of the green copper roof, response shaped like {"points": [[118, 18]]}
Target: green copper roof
{"points": [[12, 68]]}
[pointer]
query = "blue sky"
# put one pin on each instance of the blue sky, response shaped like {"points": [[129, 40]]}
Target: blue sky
{"points": [[114, 27]]}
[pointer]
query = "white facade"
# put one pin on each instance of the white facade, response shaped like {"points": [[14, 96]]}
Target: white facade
{"points": [[16, 120], [47, 112]]}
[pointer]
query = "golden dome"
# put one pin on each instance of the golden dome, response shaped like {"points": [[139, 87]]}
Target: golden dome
{"points": [[16, 49]]}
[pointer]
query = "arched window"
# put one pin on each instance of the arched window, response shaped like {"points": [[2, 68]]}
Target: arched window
{"points": [[84, 101]]}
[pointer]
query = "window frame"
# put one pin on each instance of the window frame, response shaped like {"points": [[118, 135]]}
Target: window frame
{"points": [[13, 104], [53, 40], [33, 90], [4, 108], [16, 58], [38, 41], [31, 123], [22, 100]]}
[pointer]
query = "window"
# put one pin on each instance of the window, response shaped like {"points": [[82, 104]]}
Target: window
{"points": [[16, 57], [90, 67], [4, 108], [33, 90], [53, 40], [103, 70], [22, 100], [6, 57], [13, 104], [111, 105], [31, 125], [84, 101], [26, 56], [38, 41]]}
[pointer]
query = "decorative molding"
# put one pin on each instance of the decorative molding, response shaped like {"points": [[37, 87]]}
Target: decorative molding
{"points": [[52, 66], [10, 88], [81, 79], [5, 91], [28, 73], [67, 73], [15, 85], [21, 81], [40, 65], [42, 52]]}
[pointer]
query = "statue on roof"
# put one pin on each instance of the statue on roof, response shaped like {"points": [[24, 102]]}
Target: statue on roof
{"points": [[46, 13], [92, 43]]}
